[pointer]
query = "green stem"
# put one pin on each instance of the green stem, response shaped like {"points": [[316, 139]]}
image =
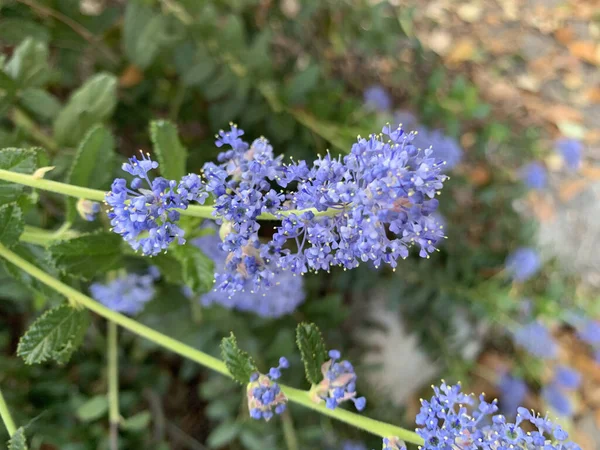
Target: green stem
{"points": [[289, 433], [22, 120], [40, 236], [294, 395], [9, 423], [113, 385], [204, 212]]}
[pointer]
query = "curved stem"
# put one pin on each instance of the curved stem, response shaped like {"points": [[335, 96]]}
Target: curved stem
{"points": [[113, 385], [22, 120], [289, 433], [294, 395], [9, 423], [205, 212], [43, 237]]}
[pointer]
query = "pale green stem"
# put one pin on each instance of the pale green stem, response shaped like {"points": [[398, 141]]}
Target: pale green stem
{"points": [[97, 195], [294, 395], [9, 423], [40, 236], [23, 121], [114, 416], [289, 433]]}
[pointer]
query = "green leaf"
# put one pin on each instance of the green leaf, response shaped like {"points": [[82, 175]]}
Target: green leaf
{"points": [[302, 83], [92, 103], [238, 362], [56, 334], [170, 268], [18, 440], [92, 164], [137, 422], [197, 268], [43, 104], [11, 224], [172, 155], [28, 65], [223, 434], [312, 349], [143, 34], [88, 255], [16, 160], [95, 408]]}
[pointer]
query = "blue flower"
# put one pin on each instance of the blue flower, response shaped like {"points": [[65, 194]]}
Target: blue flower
{"points": [[87, 209], [523, 263], [377, 98], [534, 175], [283, 297], [126, 294], [443, 147], [537, 340], [353, 445], [147, 217], [264, 395], [452, 420], [393, 443], [571, 151], [557, 399], [589, 332], [513, 390], [338, 384], [567, 377]]}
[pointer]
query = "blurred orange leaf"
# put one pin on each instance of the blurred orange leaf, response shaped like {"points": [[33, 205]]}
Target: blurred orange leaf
{"points": [[131, 76]]}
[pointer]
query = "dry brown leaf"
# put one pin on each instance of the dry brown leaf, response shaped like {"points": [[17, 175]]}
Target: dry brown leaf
{"points": [[564, 35], [464, 50], [131, 76], [560, 113], [479, 175], [569, 189], [541, 207], [593, 94], [585, 50]]}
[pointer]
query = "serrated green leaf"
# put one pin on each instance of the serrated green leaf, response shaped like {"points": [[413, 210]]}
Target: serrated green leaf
{"points": [[92, 103], [143, 34], [240, 364], [11, 224], [18, 440], [172, 155], [197, 269], [88, 255], [56, 334], [93, 409], [28, 65], [313, 351], [16, 160], [223, 434], [137, 422], [92, 164], [41, 103]]}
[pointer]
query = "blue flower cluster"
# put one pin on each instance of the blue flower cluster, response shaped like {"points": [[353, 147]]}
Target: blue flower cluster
{"points": [[126, 294], [537, 340], [513, 391], [377, 98], [264, 395], [556, 393], [534, 175], [393, 443], [352, 445], [452, 420], [571, 151], [87, 209], [338, 384], [371, 205], [147, 216], [282, 298], [523, 263]]}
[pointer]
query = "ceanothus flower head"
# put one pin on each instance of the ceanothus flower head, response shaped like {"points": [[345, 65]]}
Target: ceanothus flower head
{"points": [[393, 443], [589, 332], [87, 209], [452, 420], [534, 175], [283, 297], [353, 445], [537, 340], [264, 395], [567, 377], [523, 263], [145, 213], [557, 398], [338, 384], [571, 151], [377, 98], [443, 147], [126, 294], [513, 390]]}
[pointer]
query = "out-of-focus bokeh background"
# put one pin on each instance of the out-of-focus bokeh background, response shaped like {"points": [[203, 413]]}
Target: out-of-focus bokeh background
{"points": [[506, 91]]}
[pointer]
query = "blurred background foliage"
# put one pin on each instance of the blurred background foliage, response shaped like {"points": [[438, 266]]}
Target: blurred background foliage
{"points": [[295, 72]]}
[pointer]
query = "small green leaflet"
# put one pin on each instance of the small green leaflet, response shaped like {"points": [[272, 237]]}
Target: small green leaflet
{"points": [[197, 268], [172, 155], [56, 334], [11, 224], [18, 441], [240, 364], [93, 409], [16, 160], [312, 348], [92, 166], [28, 65], [225, 433], [143, 34], [88, 255], [91, 104]]}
